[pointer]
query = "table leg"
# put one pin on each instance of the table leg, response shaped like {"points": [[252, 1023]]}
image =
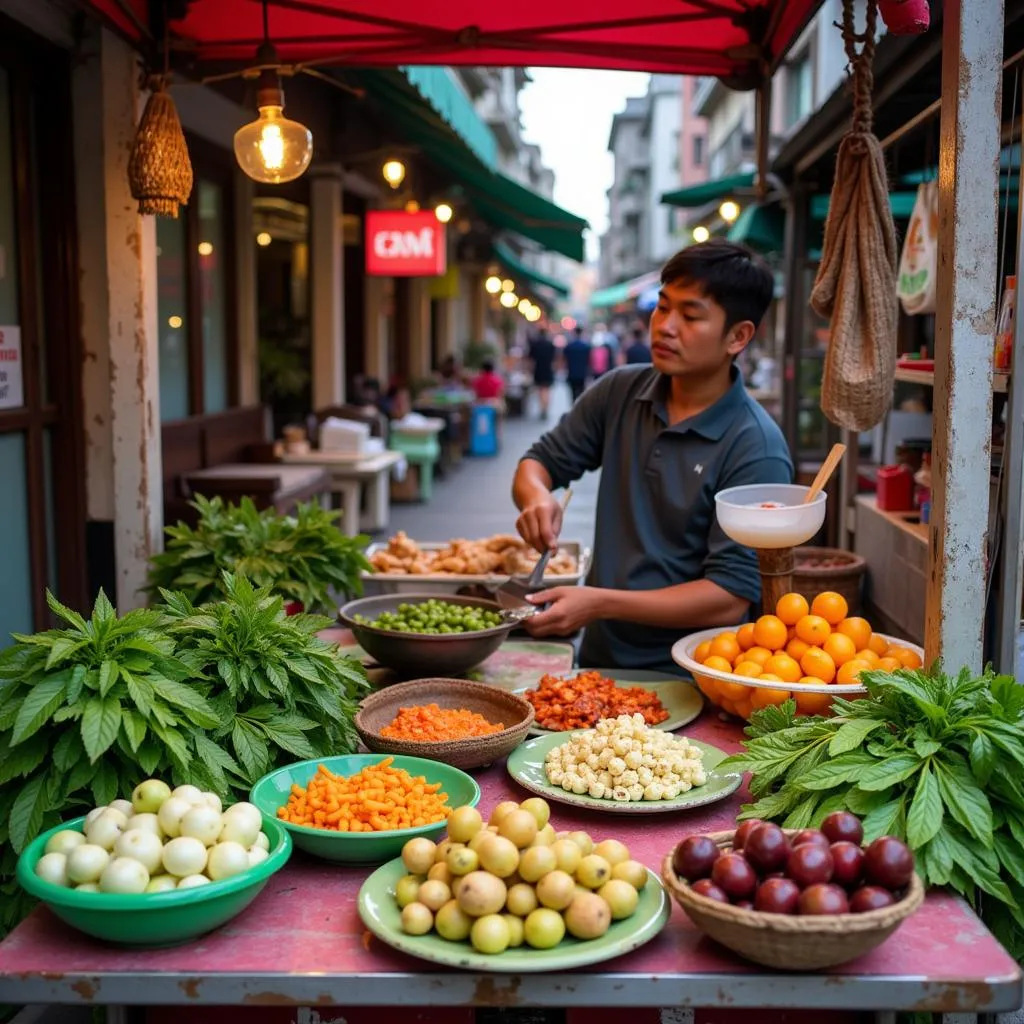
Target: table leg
{"points": [[378, 506], [351, 493]]}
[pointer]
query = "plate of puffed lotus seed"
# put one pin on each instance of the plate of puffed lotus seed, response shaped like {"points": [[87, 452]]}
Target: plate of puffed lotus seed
{"points": [[623, 766]]}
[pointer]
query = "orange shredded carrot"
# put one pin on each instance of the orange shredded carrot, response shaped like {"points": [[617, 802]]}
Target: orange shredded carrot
{"points": [[432, 724], [380, 798]]}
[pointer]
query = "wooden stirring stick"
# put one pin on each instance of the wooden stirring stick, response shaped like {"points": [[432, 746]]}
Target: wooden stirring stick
{"points": [[828, 467]]}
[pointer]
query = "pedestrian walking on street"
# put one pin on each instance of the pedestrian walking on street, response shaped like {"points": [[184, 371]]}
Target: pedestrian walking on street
{"points": [[639, 351], [577, 363], [542, 356]]}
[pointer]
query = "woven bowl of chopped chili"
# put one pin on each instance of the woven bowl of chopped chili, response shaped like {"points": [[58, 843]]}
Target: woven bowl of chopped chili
{"points": [[457, 722]]}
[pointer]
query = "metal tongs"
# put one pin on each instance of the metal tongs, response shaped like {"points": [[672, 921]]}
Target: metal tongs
{"points": [[511, 595]]}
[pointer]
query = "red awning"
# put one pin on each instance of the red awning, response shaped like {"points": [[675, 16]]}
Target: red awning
{"points": [[129, 17], [724, 38]]}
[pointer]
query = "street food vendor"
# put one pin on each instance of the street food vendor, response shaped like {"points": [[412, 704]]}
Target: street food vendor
{"points": [[666, 438]]}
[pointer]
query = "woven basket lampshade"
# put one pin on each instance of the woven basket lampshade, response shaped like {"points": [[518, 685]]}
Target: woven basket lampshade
{"points": [[159, 169]]}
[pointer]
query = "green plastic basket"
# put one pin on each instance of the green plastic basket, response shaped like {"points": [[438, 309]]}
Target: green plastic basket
{"points": [[156, 918], [271, 792]]}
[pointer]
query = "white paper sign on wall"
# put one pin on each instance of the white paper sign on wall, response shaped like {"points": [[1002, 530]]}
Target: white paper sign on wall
{"points": [[12, 395]]}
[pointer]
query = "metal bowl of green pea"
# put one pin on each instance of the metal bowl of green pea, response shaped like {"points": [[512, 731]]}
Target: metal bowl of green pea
{"points": [[424, 635]]}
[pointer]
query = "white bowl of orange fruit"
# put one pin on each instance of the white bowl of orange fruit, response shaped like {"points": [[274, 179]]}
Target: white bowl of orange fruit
{"points": [[812, 651]]}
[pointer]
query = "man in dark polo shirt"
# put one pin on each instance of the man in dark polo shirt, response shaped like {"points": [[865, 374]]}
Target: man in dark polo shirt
{"points": [[666, 438]]}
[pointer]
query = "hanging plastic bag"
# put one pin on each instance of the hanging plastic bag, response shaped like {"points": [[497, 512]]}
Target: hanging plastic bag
{"points": [[915, 284]]}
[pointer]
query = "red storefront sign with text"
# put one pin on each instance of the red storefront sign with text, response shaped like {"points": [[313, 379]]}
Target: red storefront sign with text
{"points": [[400, 244]]}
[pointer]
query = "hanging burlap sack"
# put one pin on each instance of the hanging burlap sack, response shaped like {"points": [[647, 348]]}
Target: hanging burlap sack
{"points": [[856, 283], [159, 168]]}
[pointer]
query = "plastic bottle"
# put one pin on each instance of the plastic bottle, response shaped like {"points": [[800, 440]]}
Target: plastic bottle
{"points": [[1004, 329]]}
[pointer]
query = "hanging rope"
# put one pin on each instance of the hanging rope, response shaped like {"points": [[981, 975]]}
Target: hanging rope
{"points": [[856, 283]]}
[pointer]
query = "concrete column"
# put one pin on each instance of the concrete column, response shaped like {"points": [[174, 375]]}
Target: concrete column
{"points": [[447, 324], [376, 356], [327, 253], [248, 368], [117, 282], [477, 307], [419, 328], [969, 142]]}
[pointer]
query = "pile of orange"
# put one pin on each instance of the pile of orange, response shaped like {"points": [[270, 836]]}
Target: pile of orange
{"points": [[800, 644]]}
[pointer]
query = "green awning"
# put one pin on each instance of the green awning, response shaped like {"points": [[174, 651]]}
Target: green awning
{"points": [[761, 226], [616, 294], [901, 203], [517, 268], [708, 191], [498, 199], [438, 86]]}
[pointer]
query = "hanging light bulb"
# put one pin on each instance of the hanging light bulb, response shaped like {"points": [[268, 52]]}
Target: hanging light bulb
{"points": [[509, 299], [394, 172], [493, 285], [443, 212], [412, 206], [272, 149], [263, 239], [729, 211], [508, 286], [701, 233], [525, 305]]}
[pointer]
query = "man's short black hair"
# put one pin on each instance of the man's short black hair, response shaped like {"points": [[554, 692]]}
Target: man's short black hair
{"points": [[728, 273], [487, 366]]}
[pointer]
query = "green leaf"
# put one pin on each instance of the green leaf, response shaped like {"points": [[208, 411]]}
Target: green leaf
{"points": [[63, 648], [134, 726], [290, 739], [216, 760], [27, 812], [965, 800], [174, 742], [109, 673], [1010, 855], [979, 868], [926, 812], [141, 692], [190, 700], [851, 735], [863, 803], [100, 723], [23, 759], [251, 751], [925, 746], [890, 771], [836, 772], [37, 708], [67, 614], [773, 806], [803, 814], [935, 860], [76, 682], [884, 820], [81, 775], [68, 750], [983, 758], [104, 784], [150, 755]]}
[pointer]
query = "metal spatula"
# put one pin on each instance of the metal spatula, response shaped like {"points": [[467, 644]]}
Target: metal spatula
{"points": [[511, 595]]}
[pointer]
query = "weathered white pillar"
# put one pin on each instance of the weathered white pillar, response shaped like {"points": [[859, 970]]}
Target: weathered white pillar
{"points": [[117, 283], [972, 78], [248, 368], [327, 254]]}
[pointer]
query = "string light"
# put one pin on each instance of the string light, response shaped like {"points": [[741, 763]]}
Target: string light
{"points": [[443, 212], [493, 285], [729, 211], [509, 300], [701, 233], [394, 172]]}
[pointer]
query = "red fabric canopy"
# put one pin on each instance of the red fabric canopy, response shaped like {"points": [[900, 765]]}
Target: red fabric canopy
{"points": [[724, 38]]}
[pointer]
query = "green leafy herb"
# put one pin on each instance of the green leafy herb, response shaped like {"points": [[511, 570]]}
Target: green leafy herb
{"points": [[934, 759], [302, 557]]}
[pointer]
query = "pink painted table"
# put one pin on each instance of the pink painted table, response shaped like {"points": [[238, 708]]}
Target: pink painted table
{"points": [[302, 943]]}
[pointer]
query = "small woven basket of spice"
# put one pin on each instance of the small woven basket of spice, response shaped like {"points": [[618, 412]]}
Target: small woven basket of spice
{"points": [[497, 707], [792, 943]]}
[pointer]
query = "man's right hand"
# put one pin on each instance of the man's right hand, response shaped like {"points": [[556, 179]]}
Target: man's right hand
{"points": [[540, 523]]}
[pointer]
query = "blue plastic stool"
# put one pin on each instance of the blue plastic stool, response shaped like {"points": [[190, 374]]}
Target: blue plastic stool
{"points": [[483, 434]]}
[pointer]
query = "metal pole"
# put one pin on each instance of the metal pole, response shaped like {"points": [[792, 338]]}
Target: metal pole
{"points": [[795, 250], [972, 78], [1012, 571]]}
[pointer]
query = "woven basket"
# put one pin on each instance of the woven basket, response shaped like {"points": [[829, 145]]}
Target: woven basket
{"points": [[791, 943], [845, 579], [159, 168], [379, 710]]}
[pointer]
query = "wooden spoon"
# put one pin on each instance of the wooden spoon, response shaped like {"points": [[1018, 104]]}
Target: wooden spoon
{"points": [[828, 467]]}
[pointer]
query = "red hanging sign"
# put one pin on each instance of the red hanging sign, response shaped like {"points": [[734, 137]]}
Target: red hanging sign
{"points": [[400, 244]]}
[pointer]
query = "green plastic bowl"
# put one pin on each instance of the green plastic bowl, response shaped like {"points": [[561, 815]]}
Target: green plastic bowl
{"points": [[272, 791], [156, 918]]}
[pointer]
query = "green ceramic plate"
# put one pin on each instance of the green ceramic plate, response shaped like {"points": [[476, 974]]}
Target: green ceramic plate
{"points": [[526, 765], [155, 918], [271, 792], [679, 697], [381, 915]]}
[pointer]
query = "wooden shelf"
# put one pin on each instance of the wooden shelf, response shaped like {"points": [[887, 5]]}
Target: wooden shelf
{"points": [[1000, 379], [904, 520]]}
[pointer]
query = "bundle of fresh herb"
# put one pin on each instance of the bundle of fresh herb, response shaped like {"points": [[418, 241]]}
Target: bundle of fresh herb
{"points": [[935, 760], [87, 711], [302, 557], [277, 690]]}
